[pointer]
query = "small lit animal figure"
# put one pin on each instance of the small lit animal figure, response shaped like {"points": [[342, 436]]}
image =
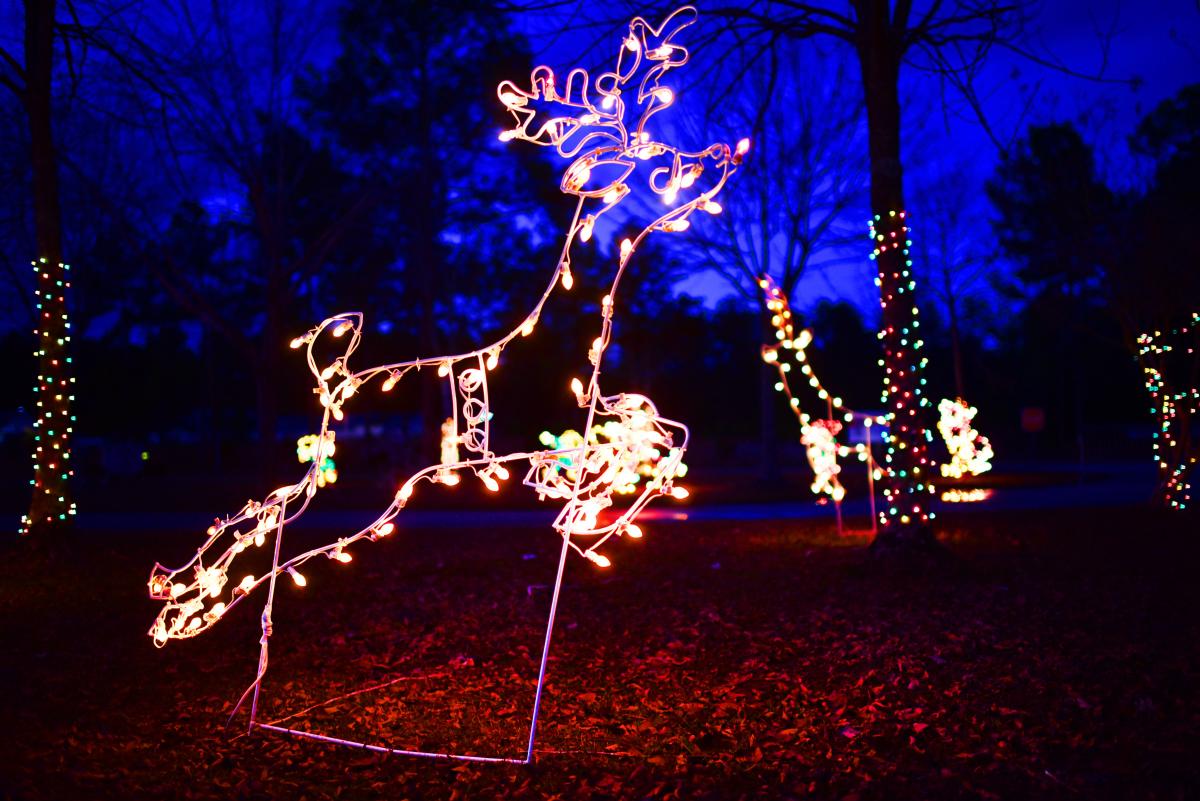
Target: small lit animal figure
{"points": [[970, 452], [603, 129], [819, 439]]}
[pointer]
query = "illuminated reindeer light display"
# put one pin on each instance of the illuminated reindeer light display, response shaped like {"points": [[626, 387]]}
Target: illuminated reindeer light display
{"points": [[603, 128]]}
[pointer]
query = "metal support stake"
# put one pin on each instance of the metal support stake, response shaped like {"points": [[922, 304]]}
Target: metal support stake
{"points": [[266, 618], [537, 697], [870, 475]]}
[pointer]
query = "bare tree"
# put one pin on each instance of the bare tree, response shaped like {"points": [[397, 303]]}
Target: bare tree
{"points": [[954, 252], [32, 81], [954, 35], [803, 193], [804, 182], [207, 85]]}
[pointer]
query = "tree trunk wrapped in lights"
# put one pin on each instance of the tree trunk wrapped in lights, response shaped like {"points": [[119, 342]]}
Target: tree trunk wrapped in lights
{"points": [[907, 488], [608, 142], [53, 424], [1171, 368]]}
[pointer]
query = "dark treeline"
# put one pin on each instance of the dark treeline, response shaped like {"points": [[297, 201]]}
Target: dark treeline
{"points": [[221, 194]]}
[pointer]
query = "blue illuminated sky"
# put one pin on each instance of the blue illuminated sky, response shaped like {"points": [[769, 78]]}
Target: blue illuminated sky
{"points": [[1157, 42]]}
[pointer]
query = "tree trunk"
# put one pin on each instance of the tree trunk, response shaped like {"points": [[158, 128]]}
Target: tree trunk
{"points": [[427, 262], [51, 506], [952, 314], [266, 401], [768, 400], [956, 349], [906, 494]]}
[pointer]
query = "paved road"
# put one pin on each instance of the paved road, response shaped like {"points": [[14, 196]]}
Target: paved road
{"points": [[1109, 492]]}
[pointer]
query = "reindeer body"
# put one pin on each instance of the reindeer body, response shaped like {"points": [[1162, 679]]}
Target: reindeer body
{"points": [[607, 149], [606, 137]]}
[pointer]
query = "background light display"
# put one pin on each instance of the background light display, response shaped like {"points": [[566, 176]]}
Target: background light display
{"points": [[1169, 366], [53, 394]]}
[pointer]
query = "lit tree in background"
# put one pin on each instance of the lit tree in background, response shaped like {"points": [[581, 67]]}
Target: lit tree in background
{"points": [[1158, 287], [51, 505], [805, 192], [1172, 373], [1100, 262], [952, 38]]}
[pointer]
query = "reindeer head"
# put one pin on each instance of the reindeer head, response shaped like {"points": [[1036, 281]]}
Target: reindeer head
{"points": [[603, 129]]}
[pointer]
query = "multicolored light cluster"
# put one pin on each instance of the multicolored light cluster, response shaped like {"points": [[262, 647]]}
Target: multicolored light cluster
{"points": [[907, 487], [643, 459], [970, 452], [1173, 406], [312, 446], [53, 422]]}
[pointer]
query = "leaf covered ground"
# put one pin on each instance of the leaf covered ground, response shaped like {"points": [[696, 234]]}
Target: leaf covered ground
{"points": [[1055, 655]]}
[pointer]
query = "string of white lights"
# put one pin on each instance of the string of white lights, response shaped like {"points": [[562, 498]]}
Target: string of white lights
{"points": [[600, 139], [197, 594]]}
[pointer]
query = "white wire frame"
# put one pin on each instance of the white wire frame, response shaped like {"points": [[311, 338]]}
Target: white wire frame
{"points": [[647, 52]]}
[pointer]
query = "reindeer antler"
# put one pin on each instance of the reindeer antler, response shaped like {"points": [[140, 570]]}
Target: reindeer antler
{"points": [[607, 137]]}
